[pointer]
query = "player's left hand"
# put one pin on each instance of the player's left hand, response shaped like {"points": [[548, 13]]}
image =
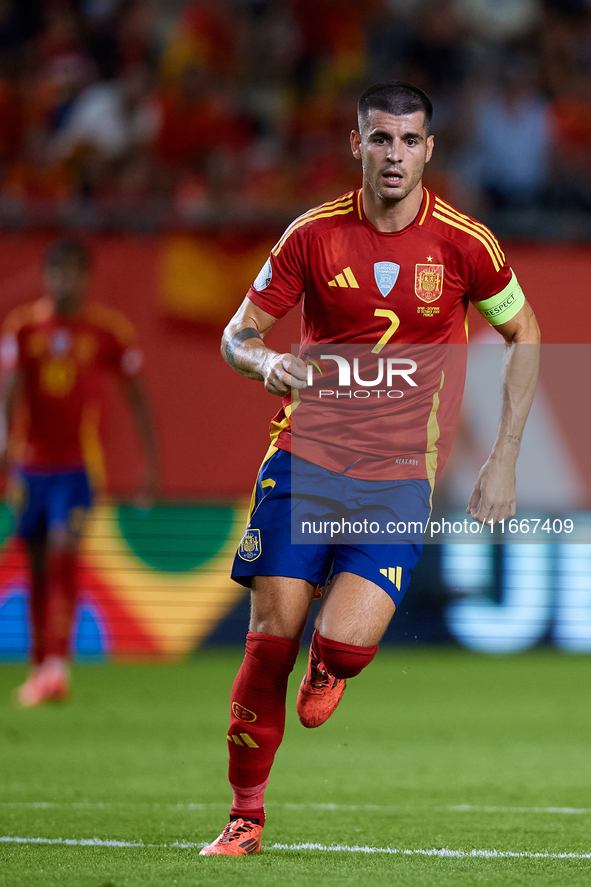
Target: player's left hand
{"points": [[493, 496]]}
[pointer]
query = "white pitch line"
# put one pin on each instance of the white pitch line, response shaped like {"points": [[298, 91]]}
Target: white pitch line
{"points": [[435, 851], [566, 811], [444, 852], [459, 808], [74, 842], [335, 808], [46, 805]]}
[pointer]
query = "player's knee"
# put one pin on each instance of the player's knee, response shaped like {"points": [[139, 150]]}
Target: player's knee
{"points": [[61, 539], [343, 660]]}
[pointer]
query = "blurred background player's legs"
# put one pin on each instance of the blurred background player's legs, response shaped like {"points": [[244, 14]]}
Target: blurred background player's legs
{"points": [[51, 527], [36, 552], [52, 604]]}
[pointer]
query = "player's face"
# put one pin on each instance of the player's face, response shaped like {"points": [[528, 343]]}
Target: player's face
{"points": [[393, 153], [66, 282]]}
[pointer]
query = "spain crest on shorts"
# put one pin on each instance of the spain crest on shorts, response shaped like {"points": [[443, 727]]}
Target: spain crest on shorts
{"points": [[250, 546], [428, 282]]}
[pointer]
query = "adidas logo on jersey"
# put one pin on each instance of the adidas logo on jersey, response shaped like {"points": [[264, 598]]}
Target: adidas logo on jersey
{"points": [[346, 279], [394, 574]]}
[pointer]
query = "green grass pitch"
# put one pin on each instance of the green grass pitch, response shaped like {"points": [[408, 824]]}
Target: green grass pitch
{"points": [[429, 750]]}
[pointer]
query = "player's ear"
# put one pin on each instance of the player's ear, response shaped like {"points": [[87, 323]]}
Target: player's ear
{"points": [[355, 143], [430, 146]]}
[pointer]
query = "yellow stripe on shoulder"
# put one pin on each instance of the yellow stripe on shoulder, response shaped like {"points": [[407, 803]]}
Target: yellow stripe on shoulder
{"points": [[472, 223], [454, 211], [347, 200], [24, 315], [311, 217], [454, 224], [112, 320], [342, 199], [451, 211]]}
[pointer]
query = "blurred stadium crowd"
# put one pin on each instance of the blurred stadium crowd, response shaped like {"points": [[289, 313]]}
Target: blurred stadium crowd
{"points": [[140, 114]]}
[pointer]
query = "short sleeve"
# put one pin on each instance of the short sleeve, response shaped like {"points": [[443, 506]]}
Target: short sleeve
{"points": [[122, 354], [495, 290], [489, 270], [280, 283]]}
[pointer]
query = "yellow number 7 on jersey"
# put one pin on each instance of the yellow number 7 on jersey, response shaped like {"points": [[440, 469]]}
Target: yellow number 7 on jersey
{"points": [[394, 324]]}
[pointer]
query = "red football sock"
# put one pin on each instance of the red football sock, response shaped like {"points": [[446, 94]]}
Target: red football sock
{"points": [[343, 660], [250, 801], [257, 718], [37, 602], [61, 602]]}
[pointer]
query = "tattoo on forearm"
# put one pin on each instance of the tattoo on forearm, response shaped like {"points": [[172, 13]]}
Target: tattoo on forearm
{"points": [[514, 437], [237, 340]]}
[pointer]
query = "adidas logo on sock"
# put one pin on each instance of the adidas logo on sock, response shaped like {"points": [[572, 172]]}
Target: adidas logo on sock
{"points": [[242, 739]]}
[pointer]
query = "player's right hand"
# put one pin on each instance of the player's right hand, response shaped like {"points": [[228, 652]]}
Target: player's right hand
{"points": [[283, 372]]}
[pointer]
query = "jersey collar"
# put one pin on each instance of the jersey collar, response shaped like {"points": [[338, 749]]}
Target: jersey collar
{"points": [[421, 217]]}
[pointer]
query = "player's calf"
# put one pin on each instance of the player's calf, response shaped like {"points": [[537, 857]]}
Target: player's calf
{"points": [[343, 660], [257, 719], [329, 665]]}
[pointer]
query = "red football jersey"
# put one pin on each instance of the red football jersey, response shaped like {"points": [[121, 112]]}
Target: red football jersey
{"points": [[64, 361], [406, 295]]}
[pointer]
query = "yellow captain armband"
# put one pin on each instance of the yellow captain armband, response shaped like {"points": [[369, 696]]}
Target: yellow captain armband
{"points": [[505, 305]]}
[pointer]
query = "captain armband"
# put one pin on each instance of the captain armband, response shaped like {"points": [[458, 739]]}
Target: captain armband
{"points": [[505, 305]]}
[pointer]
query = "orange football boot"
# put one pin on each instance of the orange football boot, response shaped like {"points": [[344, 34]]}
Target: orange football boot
{"points": [[239, 838], [320, 692]]}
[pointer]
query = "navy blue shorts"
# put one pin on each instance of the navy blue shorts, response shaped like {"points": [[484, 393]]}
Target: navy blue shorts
{"points": [[50, 500], [310, 523]]}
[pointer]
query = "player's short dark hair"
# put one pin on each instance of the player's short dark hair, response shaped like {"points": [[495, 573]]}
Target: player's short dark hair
{"points": [[396, 97], [68, 248]]}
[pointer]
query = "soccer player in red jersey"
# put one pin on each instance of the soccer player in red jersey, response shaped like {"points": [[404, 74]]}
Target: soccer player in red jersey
{"points": [[55, 355], [390, 264]]}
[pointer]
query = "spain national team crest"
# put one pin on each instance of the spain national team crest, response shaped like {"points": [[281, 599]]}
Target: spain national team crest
{"points": [[243, 714], [250, 547], [386, 275], [428, 282]]}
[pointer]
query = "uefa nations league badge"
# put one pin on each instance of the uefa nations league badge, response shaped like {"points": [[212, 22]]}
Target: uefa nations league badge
{"points": [[386, 275], [250, 546]]}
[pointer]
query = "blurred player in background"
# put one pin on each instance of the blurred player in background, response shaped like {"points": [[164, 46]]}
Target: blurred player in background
{"points": [[390, 261], [55, 355]]}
